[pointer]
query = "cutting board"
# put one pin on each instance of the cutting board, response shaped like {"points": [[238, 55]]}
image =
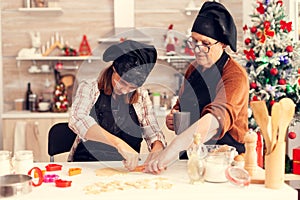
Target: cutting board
{"points": [[259, 177]]}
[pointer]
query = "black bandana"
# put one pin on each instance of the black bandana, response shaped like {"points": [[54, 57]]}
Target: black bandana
{"points": [[132, 60]]}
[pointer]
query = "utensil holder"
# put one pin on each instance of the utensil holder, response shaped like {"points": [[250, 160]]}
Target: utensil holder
{"points": [[275, 167]]}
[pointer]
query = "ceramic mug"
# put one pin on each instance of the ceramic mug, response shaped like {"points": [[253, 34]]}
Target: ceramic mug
{"points": [[181, 121]]}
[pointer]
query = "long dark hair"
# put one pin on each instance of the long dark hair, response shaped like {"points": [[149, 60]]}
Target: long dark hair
{"points": [[105, 84]]}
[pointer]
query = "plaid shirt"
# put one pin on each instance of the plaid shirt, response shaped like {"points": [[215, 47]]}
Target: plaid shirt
{"points": [[86, 96]]}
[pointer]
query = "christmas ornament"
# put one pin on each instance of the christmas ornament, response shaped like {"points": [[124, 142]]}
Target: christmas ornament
{"points": [[272, 102], [270, 55], [289, 49], [253, 29], [282, 81], [84, 49], [247, 41], [170, 41], [60, 98], [274, 71], [253, 85], [292, 135]]}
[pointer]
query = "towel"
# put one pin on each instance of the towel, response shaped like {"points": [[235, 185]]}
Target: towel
{"points": [[32, 140], [19, 136]]}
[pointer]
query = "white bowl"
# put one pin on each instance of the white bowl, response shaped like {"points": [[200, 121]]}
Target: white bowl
{"points": [[44, 106]]}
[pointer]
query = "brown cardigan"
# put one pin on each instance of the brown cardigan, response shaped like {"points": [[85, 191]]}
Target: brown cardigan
{"points": [[230, 106]]}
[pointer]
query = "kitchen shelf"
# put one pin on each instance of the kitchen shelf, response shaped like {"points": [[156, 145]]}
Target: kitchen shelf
{"points": [[58, 58], [189, 11], [170, 59], [45, 9]]}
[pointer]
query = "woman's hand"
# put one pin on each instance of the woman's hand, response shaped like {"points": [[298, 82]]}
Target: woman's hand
{"points": [[157, 147], [169, 119], [160, 161], [131, 157]]}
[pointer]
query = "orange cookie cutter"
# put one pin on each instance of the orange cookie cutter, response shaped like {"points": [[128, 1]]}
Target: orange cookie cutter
{"points": [[74, 171]]}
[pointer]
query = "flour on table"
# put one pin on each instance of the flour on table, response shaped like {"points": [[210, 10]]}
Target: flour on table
{"points": [[158, 183], [110, 171]]}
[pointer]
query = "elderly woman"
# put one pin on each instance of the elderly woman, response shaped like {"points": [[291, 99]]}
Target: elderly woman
{"points": [[112, 114], [215, 89]]}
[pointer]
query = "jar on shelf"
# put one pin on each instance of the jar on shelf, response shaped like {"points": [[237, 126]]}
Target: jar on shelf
{"points": [[156, 100], [5, 162]]}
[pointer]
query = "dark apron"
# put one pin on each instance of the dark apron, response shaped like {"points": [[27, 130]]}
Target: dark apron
{"points": [[200, 90], [119, 119]]}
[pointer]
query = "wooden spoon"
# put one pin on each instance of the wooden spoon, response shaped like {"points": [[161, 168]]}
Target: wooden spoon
{"points": [[275, 120], [287, 113], [261, 116]]}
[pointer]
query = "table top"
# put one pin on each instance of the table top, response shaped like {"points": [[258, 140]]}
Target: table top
{"points": [[175, 176]]}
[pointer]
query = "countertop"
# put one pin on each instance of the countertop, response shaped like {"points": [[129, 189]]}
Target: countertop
{"points": [[32, 115], [28, 114], [176, 175]]}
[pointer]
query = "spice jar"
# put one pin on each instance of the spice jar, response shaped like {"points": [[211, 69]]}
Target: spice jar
{"points": [[5, 162], [23, 161]]}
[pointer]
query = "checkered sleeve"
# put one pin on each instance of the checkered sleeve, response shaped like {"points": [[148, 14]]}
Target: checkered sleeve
{"points": [[86, 95], [151, 130]]}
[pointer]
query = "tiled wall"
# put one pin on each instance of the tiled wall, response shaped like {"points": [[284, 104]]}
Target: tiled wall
{"points": [[93, 18]]}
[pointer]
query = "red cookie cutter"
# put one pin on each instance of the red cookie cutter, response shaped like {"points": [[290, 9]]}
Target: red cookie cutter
{"points": [[62, 183], [53, 167], [40, 175]]}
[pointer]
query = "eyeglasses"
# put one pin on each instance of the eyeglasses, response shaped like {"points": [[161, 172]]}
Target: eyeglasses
{"points": [[193, 44]]}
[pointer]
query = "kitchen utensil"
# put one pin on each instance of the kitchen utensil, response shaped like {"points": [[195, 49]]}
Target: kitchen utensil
{"points": [[287, 113], [275, 166], [250, 153], [275, 120], [261, 116], [18, 184]]}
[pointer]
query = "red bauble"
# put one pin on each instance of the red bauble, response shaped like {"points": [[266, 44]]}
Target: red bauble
{"points": [[254, 98], [274, 71], [272, 102], [282, 81], [253, 85], [253, 29], [247, 41], [280, 2], [289, 49], [292, 135], [269, 53]]}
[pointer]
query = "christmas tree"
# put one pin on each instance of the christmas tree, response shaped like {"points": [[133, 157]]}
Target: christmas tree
{"points": [[270, 55], [60, 98]]}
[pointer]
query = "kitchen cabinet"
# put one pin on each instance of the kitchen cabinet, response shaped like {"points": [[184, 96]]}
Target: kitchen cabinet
{"points": [[43, 122]]}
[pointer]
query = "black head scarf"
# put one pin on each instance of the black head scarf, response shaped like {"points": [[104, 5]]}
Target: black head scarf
{"points": [[215, 21], [132, 60]]}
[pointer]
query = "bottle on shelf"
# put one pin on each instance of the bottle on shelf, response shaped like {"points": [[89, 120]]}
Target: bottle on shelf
{"points": [[28, 93]]}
